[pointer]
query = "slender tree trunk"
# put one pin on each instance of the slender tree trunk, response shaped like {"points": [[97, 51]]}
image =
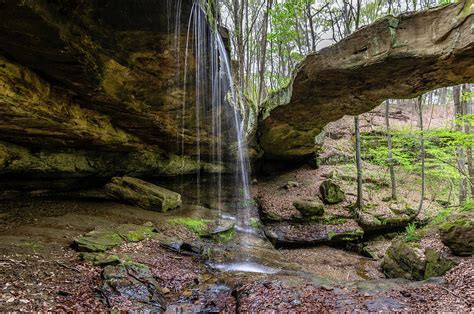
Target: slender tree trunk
{"points": [[458, 110], [390, 157], [359, 202], [422, 156], [263, 44], [467, 109], [470, 165]]}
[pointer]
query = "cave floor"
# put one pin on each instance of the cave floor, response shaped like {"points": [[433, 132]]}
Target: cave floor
{"points": [[41, 272]]}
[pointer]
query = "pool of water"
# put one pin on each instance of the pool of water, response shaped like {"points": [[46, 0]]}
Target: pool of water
{"points": [[246, 267]]}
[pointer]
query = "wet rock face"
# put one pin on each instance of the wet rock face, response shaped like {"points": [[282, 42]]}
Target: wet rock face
{"points": [[143, 194], [382, 61], [88, 83], [458, 233]]}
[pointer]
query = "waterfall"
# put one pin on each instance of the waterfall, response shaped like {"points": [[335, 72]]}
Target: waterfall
{"points": [[217, 115]]}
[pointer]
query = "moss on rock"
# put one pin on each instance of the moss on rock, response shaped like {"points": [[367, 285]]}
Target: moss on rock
{"points": [[458, 233]]}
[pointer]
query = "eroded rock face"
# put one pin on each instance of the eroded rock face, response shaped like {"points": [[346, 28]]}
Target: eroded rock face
{"points": [[396, 57], [87, 87]]}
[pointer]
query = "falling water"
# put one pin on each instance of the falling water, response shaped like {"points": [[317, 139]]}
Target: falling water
{"points": [[217, 116]]}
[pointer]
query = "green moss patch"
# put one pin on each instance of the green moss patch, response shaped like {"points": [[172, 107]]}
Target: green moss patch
{"points": [[196, 225]]}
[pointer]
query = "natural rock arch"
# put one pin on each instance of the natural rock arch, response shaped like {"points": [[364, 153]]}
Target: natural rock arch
{"points": [[396, 57]]}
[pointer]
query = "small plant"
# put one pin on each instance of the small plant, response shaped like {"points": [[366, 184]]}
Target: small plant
{"points": [[441, 216], [411, 234], [255, 223], [468, 205]]}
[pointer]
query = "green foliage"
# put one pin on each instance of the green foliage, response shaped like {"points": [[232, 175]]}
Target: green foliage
{"points": [[445, 2], [442, 215], [440, 147], [225, 236], [255, 223], [411, 234], [468, 205]]}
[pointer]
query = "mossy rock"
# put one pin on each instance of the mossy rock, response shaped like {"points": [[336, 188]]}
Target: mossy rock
{"points": [[331, 192], [101, 259], [101, 240], [134, 233], [410, 261], [404, 260], [385, 217], [458, 233], [436, 264], [220, 230], [98, 241], [309, 207], [142, 194]]}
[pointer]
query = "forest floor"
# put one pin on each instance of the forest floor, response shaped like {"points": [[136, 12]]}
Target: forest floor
{"points": [[41, 272]]}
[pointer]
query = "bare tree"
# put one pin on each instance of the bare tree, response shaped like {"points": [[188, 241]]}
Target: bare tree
{"points": [[467, 109], [390, 157], [422, 153], [459, 112]]}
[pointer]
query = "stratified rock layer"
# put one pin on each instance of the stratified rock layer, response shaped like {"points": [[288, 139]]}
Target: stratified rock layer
{"points": [[396, 57], [95, 89]]}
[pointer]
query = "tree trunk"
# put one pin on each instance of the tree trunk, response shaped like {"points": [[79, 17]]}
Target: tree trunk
{"points": [[390, 157], [263, 45], [422, 156], [359, 202], [458, 111], [467, 109]]}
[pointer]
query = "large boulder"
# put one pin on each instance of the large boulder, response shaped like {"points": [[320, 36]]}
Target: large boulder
{"points": [[458, 233], [143, 194], [331, 192], [411, 260], [404, 260], [309, 206]]}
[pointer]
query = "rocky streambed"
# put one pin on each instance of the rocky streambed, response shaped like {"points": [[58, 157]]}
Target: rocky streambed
{"points": [[85, 251]]}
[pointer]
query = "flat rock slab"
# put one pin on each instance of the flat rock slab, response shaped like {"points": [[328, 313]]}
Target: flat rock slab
{"points": [[313, 233], [142, 194], [104, 239]]}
